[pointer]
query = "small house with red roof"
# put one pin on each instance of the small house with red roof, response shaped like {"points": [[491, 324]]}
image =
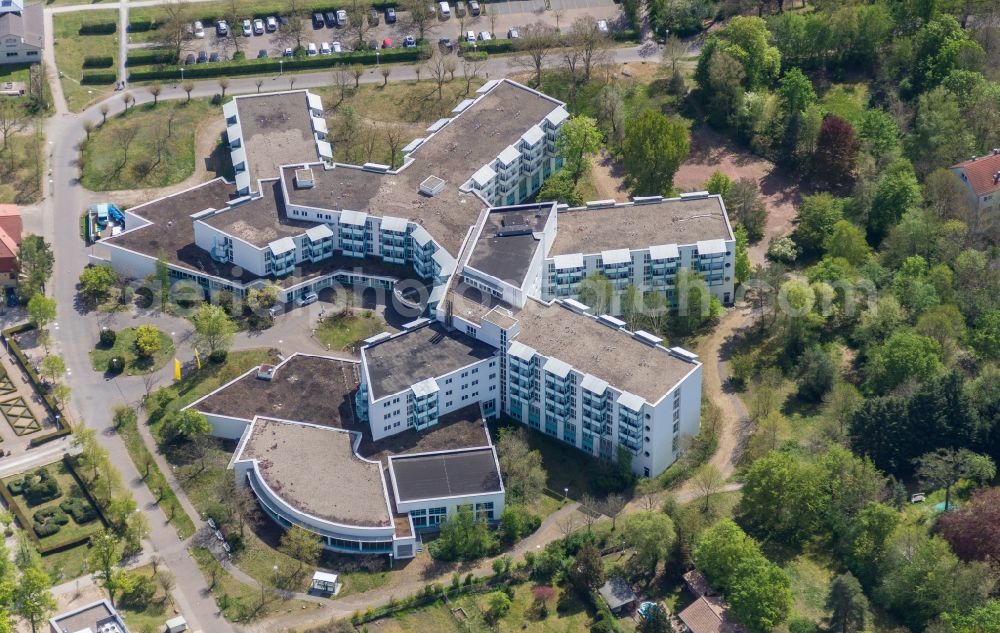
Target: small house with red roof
{"points": [[981, 175], [10, 243]]}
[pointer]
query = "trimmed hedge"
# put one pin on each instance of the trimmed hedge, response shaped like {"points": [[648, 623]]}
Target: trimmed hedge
{"points": [[98, 28], [50, 403], [71, 469], [263, 66], [151, 57], [101, 61], [98, 78], [141, 26], [492, 46], [626, 35]]}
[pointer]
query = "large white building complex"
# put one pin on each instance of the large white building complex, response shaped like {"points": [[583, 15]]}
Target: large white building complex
{"points": [[492, 282]]}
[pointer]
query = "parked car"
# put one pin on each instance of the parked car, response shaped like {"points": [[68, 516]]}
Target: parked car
{"points": [[282, 21], [306, 299], [485, 36], [460, 8], [318, 21], [271, 23], [342, 17], [337, 48], [288, 52], [324, 48], [202, 57], [199, 29], [189, 59], [474, 8], [513, 34], [311, 49], [444, 11], [258, 27], [409, 42], [247, 28], [390, 15], [214, 57], [222, 28], [373, 17], [445, 43], [602, 26], [331, 19], [470, 36], [262, 53], [387, 42], [276, 310]]}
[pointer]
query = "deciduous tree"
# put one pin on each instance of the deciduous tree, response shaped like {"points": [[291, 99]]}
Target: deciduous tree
{"points": [[653, 148], [578, 139]]}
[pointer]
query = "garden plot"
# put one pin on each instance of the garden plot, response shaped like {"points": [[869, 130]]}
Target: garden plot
{"points": [[56, 509], [19, 416]]}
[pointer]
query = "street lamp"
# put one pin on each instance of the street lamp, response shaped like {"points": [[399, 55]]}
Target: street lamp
{"points": [[182, 72], [566, 493], [281, 66], [376, 57]]}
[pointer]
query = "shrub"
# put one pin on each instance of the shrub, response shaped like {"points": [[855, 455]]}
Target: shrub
{"points": [[45, 529], [98, 78], [98, 61], [140, 26], [239, 56], [116, 365], [108, 337], [149, 58], [216, 99], [16, 486], [78, 508], [40, 487], [98, 28]]}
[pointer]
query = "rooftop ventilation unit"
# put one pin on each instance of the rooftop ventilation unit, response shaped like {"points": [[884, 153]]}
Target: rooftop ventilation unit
{"points": [[600, 204], [377, 167], [576, 306], [266, 372], [647, 199], [694, 195], [513, 225], [304, 178], [612, 322], [432, 186], [683, 354], [645, 337]]}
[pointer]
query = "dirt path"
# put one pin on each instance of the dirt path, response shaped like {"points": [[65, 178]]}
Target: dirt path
{"points": [[206, 139], [606, 176]]}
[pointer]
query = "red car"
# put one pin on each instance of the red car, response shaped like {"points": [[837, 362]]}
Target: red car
{"points": [[387, 43]]}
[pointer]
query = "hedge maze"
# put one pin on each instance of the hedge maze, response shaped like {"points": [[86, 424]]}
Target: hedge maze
{"points": [[54, 508]]}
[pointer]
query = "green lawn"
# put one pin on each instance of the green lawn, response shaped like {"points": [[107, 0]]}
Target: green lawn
{"points": [[848, 101], [124, 347], [566, 614], [146, 147], [14, 72], [159, 609], [22, 166], [67, 565], [70, 490], [811, 580], [71, 48], [344, 331]]}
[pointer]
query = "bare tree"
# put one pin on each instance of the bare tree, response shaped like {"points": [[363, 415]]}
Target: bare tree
{"points": [[385, 69], [127, 99], [293, 31], [417, 69], [369, 142], [359, 23], [533, 47], [342, 81], [673, 51], [558, 14], [591, 44], [170, 121], [708, 481], [394, 139], [451, 65], [470, 71], [589, 510], [491, 15], [188, 86], [612, 505], [233, 14], [171, 32], [155, 90], [568, 524], [439, 71], [258, 82], [421, 16], [124, 136], [88, 127], [357, 70], [12, 118], [223, 84], [104, 113]]}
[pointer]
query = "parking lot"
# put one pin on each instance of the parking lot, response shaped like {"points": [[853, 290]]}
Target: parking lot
{"points": [[496, 17]]}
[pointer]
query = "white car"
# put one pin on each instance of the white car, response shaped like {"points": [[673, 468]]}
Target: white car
{"points": [[247, 28], [272, 23], [258, 27], [470, 36], [306, 299], [199, 29], [337, 48], [513, 34], [222, 28], [311, 49], [602, 26], [324, 48], [485, 36], [341, 17]]}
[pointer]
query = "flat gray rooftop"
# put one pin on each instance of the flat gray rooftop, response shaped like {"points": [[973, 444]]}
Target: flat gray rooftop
{"points": [[309, 389], [458, 473], [315, 470], [596, 349], [260, 221], [89, 619], [472, 139], [507, 243], [591, 231], [426, 352], [277, 130]]}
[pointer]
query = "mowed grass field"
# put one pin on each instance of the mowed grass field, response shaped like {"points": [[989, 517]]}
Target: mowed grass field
{"points": [[71, 49]]}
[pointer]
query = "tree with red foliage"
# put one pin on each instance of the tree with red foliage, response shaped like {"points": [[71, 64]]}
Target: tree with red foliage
{"points": [[974, 530], [836, 152]]}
